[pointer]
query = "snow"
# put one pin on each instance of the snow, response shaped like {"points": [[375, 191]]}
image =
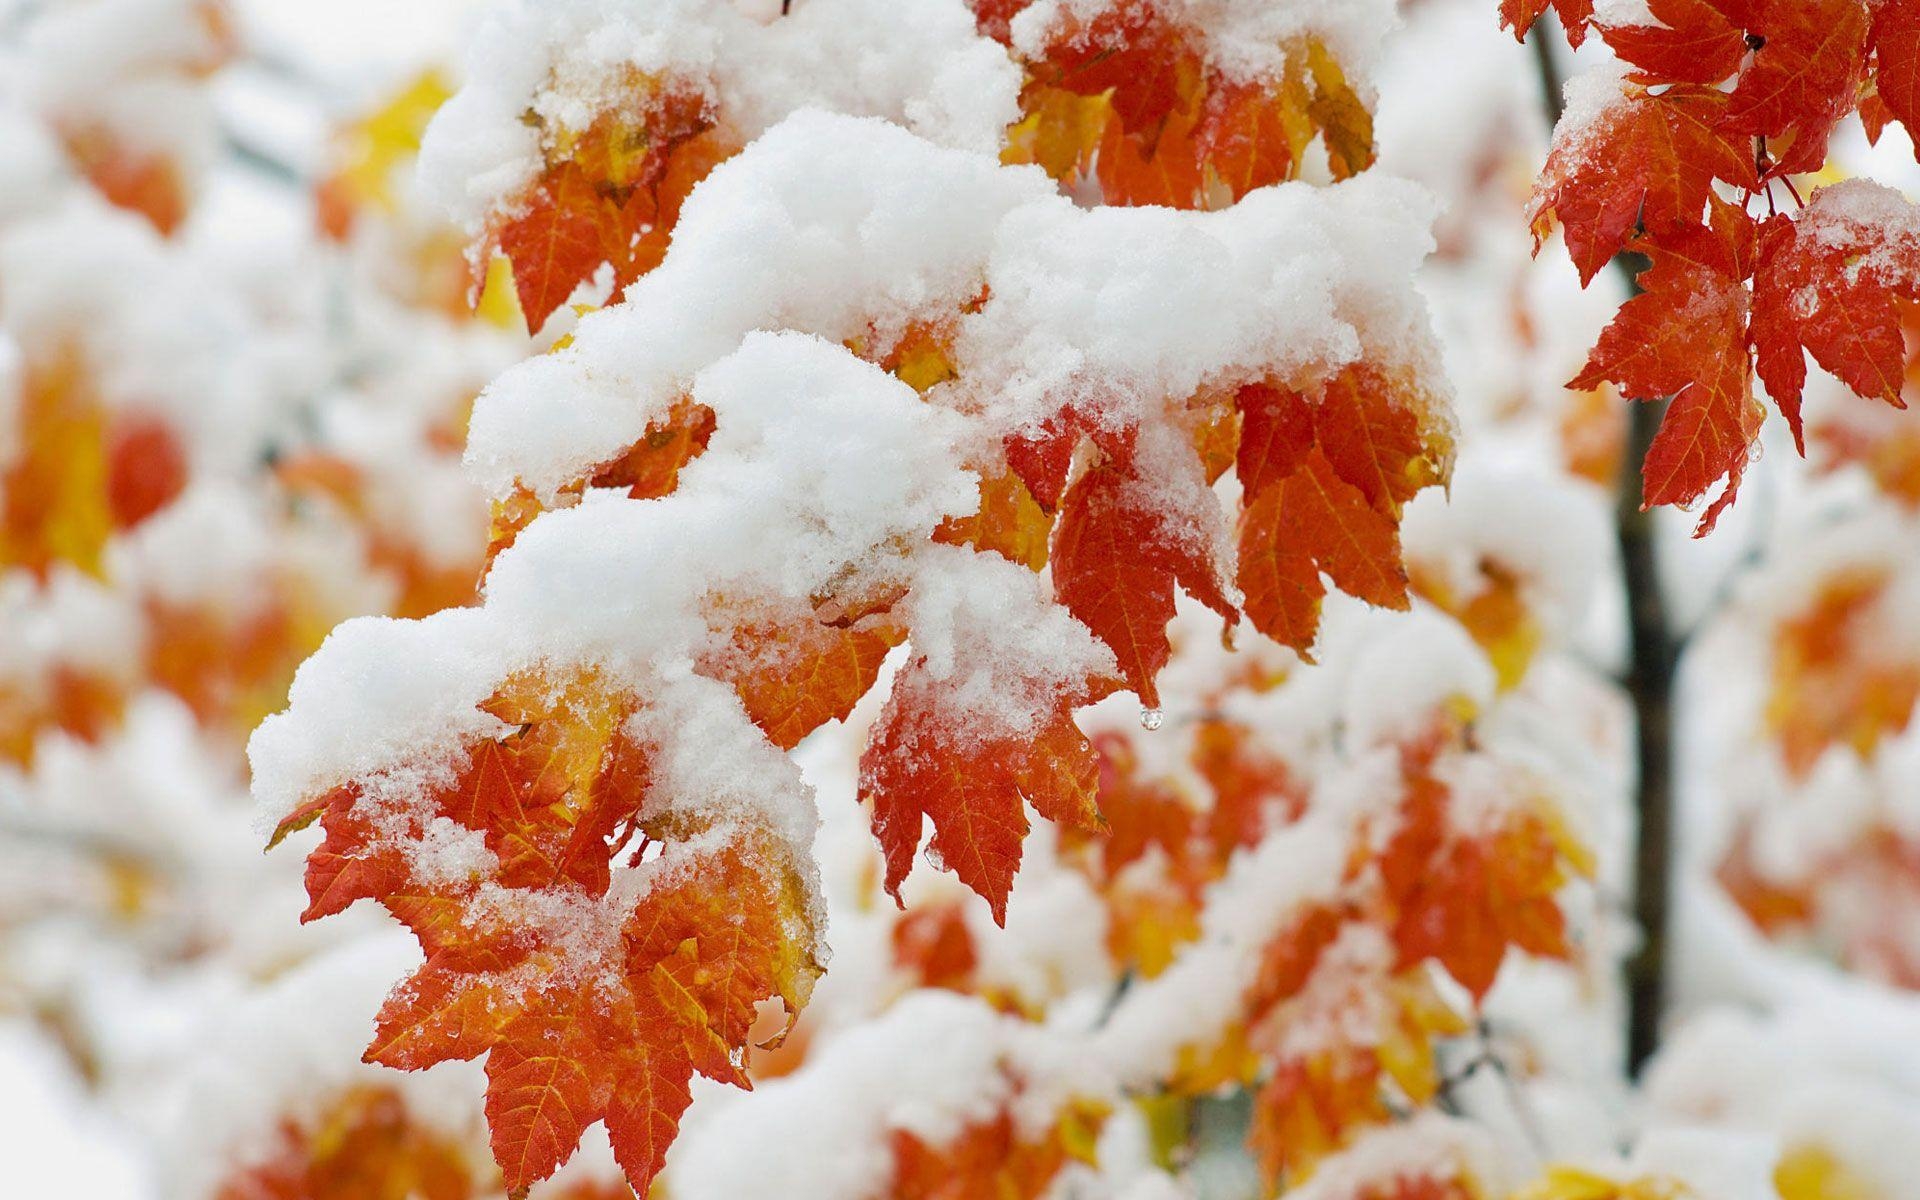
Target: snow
{"points": [[918, 63], [136, 909], [823, 227], [826, 1132], [1245, 40]]}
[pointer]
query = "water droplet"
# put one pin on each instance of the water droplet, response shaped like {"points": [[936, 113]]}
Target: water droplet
{"points": [[1151, 719]]}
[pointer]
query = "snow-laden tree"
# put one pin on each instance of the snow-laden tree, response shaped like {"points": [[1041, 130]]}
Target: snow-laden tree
{"points": [[1049, 625]]}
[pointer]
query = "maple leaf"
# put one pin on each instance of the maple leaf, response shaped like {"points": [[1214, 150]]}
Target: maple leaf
{"points": [[1009, 522], [54, 504], [1804, 76], [565, 231], [610, 194], [1346, 127], [1520, 15], [1691, 41], [1896, 50], [1245, 138], [1060, 131], [1116, 558], [992, 1159], [648, 469], [932, 942], [589, 1007], [923, 764], [131, 177], [1165, 170], [795, 675], [1325, 480], [1834, 683], [1314, 1104], [1686, 336], [1827, 283], [1130, 51], [1648, 159], [1463, 899], [146, 469], [365, 1146], [368, 153]]}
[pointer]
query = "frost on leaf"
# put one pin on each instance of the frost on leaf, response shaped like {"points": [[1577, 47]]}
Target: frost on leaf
{"points": [[609, 193], [1129, 94], [592, 1002]]}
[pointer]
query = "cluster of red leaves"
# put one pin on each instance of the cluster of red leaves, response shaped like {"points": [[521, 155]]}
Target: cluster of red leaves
{"points": [[1436, 893], [1857, 901], [608, 195], [367, 1145], [1161, 847], [1463, 898], [1128, 96], [1324, 476], [1835, 685], [590, 1006], [1834, 681], [991, 1159], [1326, 466], [80, 473], [1727, 98]]}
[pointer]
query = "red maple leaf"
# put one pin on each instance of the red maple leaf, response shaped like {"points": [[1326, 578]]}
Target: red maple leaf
{"points": [[1827, 284], [923, 763], [1685, 336], [1690, 41], [1520, 15], [1648, 160], [589, 1008]]}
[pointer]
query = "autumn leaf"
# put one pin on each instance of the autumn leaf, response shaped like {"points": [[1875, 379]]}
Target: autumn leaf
{"points": [[1689, 41], [993, 1159], [1827, 283], [1896, 50], [1804, 76], [1325, 479], [1116, 559], [609, 194], [921, 764], [364, 1145], [566, 231], [1520, 15], [1465, 898], [671, 980], [1685, 336], [1649, 159], [797, 674]]}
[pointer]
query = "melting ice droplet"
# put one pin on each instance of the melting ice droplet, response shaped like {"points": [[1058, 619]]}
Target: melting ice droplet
{"points": [[1151, 719]]}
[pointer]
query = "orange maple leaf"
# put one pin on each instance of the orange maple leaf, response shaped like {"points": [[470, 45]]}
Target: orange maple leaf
{"points": [[589, 1006], [921, 762]]}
